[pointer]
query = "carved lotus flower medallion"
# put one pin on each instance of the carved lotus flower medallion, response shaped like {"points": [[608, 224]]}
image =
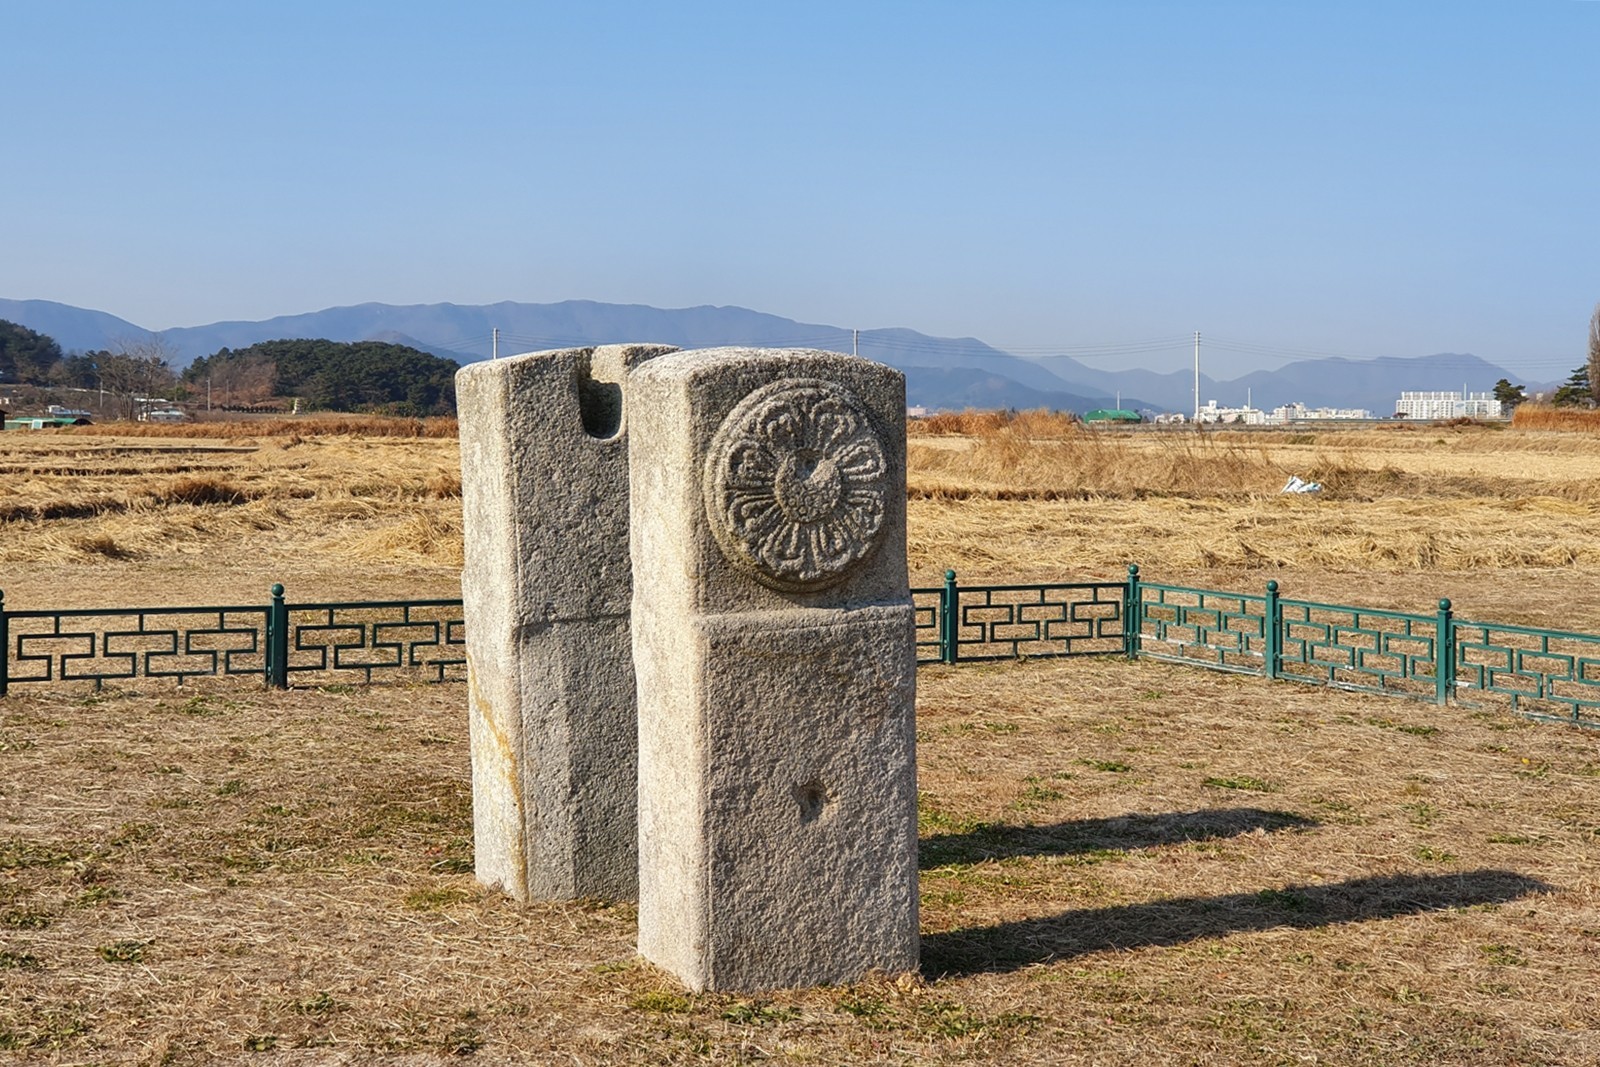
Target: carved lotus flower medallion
{"points": [[795, 484]]}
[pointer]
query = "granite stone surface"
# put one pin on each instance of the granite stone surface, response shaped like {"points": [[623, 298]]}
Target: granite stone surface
{"points": [[547, 587], [774, 648]]}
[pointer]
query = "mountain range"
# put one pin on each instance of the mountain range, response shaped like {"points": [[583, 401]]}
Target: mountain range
{"points": [[941, 372]]}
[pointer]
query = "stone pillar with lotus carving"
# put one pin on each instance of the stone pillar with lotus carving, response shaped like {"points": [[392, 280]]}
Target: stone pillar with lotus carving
{"points": [[774, 648]]}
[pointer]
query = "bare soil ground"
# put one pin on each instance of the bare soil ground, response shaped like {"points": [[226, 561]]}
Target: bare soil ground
{"points": [[1122, 863]]}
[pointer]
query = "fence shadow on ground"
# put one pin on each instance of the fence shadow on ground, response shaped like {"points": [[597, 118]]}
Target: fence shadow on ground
{"points": [[1121, 833], [1014, 945]]}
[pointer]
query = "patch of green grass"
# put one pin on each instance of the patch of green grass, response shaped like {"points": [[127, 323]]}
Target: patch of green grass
{"points": [[25, 919], [1287, 899], [1038, 793], [1110, 766], [1001, 727], [615, 966], [17, 853], [932, 820], [48, 1030], [463, 1041], [1501, 955], [13, 743], [758, 1013], [1422, 813], [123, 951], [1415, 729], [1095, 856], [260, 1042], [1510, 839], [200, 706], [943, 897], [320, 1003], [864, 1006], [1245, 782], [437, 898], [232, 787], [662, 1002], [1429, 854], [19, 961], [95, 896], [1532, 770], [131, 833], [952, 1021]]}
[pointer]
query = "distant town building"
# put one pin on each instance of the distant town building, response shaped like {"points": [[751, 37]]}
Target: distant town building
{"points": [[1245, 416], [1448, 405], [1279, 416], [1298, 412]]}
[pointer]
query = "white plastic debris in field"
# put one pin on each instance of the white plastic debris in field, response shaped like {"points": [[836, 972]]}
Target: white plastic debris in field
{"points": [[1296, 485]]}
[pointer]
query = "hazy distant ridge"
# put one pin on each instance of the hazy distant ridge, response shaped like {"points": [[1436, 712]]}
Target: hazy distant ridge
{"points": [[941, 372]]}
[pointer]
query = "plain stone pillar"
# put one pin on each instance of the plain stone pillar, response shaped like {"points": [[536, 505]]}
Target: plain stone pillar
{"points": [[547, 588], [773, 638]]}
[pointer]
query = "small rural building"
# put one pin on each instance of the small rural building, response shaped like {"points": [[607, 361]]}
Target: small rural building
{"points": [[40, 422]]}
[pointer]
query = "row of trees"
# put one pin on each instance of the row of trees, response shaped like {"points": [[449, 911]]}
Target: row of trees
{"points": [[128, 370], [333, 375], [25, 355], [1577, 390], [329, 375], [1592, 367]]}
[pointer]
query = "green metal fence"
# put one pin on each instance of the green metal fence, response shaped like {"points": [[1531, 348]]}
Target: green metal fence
{"points": [[1545, 674], [965, 624], [327, 642], [1548, 674]]}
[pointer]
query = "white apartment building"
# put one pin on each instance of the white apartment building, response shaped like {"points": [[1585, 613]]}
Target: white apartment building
{"points": [[1281, 416], [1245, 416], [1448, 405], [1298, 412]]}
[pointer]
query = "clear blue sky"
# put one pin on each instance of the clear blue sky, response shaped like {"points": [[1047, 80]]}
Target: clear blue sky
{"points": [[1362, 178]]}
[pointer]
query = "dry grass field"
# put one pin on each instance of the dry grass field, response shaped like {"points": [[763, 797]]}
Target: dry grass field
{"points": [[1122, 863]]}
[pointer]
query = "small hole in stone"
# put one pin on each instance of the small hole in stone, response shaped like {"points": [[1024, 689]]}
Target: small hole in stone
{"points": [[812, 797], [600, 405]]}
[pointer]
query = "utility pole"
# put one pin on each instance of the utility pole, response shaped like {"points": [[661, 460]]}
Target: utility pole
{"points": [[855, 342], [494, 344], [1197, 377]]}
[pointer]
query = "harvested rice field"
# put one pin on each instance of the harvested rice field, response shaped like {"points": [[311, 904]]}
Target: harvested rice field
{"points": [[1502, 521], [1121, 862]]}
